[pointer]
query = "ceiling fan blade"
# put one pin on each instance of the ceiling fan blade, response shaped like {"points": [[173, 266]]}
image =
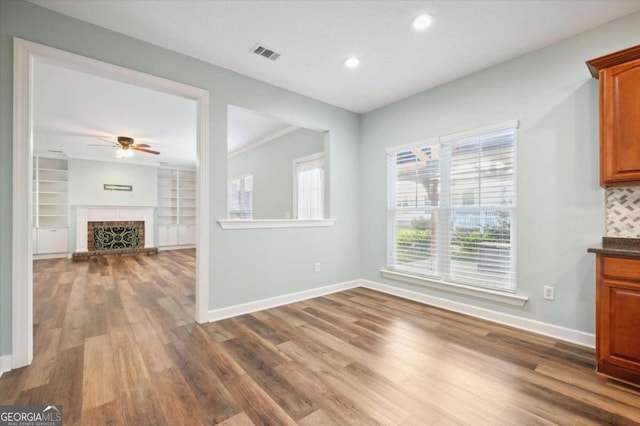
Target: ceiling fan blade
{"points": [[101, 144], [142, 145], [111, 141], [148, 151]]}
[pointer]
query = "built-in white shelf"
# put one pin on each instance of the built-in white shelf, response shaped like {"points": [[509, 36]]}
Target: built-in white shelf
{"points": [[176, 212], [50, 205]]}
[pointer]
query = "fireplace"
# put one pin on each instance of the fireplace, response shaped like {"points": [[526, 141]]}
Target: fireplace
{"points": [[113, 231], [115, 235]]}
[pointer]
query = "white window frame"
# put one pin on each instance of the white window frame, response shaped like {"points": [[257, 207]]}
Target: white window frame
{"points": [[241, 177], [317, 157], [441, 282]]}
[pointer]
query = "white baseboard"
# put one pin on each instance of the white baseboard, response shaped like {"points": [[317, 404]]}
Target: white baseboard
{"points": [[5, 363], [543, 328], [546, 329], [52, 256], [165, 248], [272, 302]]}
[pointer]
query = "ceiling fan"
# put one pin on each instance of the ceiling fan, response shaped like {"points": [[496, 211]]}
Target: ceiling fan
{"points": [[126, 146]]}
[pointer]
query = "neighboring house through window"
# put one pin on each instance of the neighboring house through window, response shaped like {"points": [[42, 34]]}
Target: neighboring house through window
{"points": [[308, 178], [240, 198], [452, 208]]}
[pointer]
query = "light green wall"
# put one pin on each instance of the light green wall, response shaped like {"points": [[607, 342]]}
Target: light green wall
{"points": [[87, 179], [272, 167], [559, 204], [245, 265], [559, 201]]}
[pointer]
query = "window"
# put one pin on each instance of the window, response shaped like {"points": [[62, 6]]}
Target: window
{"points": [[452, 208], [309, 187], [240, 202]]}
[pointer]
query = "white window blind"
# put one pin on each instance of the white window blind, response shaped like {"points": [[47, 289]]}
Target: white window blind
{"points": [[452, 208], [240, 198], [309, 187]]}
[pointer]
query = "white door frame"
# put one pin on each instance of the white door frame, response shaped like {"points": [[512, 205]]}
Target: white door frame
{"points": [[24, 54]]}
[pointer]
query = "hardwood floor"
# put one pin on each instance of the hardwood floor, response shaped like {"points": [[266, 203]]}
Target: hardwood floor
{"points": [[115, 343]]}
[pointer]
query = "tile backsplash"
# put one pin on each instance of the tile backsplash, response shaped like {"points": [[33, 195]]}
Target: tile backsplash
{"points": [[622, 207]]}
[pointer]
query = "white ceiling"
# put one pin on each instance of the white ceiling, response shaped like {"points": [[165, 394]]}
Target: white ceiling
{"points": [[314, 37], [72, 109]]}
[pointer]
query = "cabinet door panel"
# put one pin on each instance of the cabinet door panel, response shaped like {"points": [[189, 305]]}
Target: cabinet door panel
{"points": [[52, 240], [45, 241], [619, 328], [624, 326], [187, 234], [61, 240], [167, 236], [620, 123]]}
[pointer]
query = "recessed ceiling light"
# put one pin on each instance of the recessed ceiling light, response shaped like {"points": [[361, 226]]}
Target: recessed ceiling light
{"points": [[351, 62], [421, 22]]}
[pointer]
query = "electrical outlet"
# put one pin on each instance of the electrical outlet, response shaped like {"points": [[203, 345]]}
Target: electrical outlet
{"points": [[549, 292], [317, 266]]}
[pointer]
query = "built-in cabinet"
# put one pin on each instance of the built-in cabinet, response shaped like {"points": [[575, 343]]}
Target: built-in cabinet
{"points": [[176, 207], [619, 76], [50, 205], [618, 262], [617, 324], [52, 240]]}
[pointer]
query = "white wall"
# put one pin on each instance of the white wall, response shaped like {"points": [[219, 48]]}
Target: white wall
{"points": [[87, 179]]}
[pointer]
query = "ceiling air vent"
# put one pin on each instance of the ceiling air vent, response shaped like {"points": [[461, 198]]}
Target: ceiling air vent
{"points": [[268, 53]]}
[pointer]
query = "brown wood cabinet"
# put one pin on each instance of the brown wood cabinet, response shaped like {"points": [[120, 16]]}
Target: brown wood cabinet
{"points": [[618, 317], [619, 75]]}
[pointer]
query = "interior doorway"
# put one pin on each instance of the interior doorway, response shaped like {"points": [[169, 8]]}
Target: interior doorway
{"points": [[26, 55]]}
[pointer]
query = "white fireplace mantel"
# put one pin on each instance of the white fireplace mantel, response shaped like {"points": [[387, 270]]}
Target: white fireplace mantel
{"points": [[85, 214]]}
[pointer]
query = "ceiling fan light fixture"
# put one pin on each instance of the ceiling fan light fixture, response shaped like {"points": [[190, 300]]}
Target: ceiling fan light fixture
{"points": [[124, 153]]}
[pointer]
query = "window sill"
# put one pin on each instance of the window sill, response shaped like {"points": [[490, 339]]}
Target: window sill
{"points": [[275, 223], [481, 293]]}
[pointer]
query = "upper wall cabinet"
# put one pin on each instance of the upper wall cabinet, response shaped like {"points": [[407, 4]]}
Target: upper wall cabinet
{"points": [[619, 75]]}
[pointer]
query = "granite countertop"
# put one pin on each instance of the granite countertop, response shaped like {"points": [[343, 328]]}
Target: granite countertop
{"points": [[621, 247]]}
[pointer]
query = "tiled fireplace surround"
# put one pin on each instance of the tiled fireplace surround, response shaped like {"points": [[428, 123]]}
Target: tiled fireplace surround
{"points": [[89, 217]]}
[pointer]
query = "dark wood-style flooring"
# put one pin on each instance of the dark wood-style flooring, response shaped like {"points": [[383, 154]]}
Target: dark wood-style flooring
{"points": [[115, 343]]}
